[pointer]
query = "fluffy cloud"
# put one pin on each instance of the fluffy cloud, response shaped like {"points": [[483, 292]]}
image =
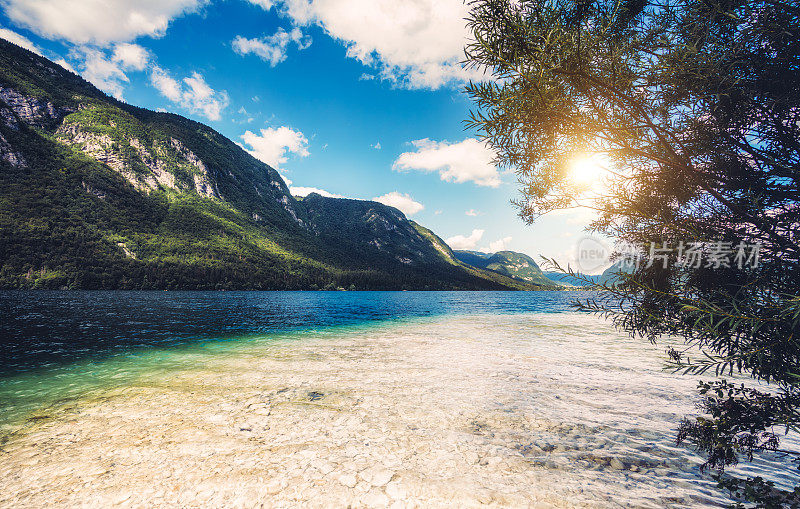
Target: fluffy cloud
{"points": [[131, 56], [66, 65], [462, 242], [192, 93], [19, 40], [97, 21], [107, 71], [468, 160], [102, 71], [403, 202], [305, 191], [473, 213], [265, 4], [274, 144], [165, 84], [271, 49], [415, 43], [499, 245]]}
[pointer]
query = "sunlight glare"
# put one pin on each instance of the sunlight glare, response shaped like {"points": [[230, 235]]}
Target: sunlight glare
{"points": [[586, 170]]}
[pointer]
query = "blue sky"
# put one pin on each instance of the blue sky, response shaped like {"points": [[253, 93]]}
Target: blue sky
{"points": [[358, 98]]}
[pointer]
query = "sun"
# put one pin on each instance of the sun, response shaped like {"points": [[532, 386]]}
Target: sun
{"points": [[586, 170]]}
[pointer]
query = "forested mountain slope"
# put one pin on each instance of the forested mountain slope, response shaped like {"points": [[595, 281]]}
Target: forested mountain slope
{"points": [[95, 193], [511, 264]]}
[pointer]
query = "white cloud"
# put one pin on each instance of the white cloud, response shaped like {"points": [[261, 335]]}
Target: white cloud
{"points": [[462, 242], [274, 144], [468, 160], [265, 4], [131, 56], [66, 65], [403, 202], [247, 118], [305, 191], [377, 146], [437, 213], [473, 213], [271, 49], [97, 21], [165, 84], [499, 245], [192, 93], [199, 98], [415, 43], [102, 71], [108, 71], [19, 40]]}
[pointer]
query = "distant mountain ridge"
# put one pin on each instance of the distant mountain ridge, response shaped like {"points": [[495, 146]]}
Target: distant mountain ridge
{"points": [[96, 193], [512, 264], [616, 273], [561, 277], [609, 277]]}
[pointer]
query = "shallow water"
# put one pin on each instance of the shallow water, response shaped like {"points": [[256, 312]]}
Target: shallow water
{"points": [[471, 406]]}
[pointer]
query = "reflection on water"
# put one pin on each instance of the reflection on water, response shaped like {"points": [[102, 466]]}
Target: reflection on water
{"points": [[544, 410]]}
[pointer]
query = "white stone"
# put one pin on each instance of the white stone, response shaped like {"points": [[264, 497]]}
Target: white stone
{"points": [[380, 477], [375, 498], [348, 480], [395, 490], [617, 464]]}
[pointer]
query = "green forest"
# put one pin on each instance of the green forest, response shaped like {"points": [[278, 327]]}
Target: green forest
{"points": [[98, 194]]}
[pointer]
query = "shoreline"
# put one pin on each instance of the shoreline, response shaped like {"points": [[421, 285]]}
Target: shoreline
{"points": [[448, 411]]}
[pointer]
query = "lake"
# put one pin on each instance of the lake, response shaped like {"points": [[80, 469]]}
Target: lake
{"points": [[377, 399]]}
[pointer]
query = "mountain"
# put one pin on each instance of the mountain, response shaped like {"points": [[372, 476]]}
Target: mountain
{"points": [[571, 280], [474, 258], [511, 264], [614, 274], [96, 193], [609, 277]]}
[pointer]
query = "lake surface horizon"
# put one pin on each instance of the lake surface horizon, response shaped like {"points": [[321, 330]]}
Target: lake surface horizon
{"points": [[411, 399]]}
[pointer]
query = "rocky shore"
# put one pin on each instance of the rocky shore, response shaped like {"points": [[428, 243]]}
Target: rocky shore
{"points": [[450, 412]]}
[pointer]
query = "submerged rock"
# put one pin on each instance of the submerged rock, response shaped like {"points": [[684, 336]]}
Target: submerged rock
{"points": [[616, 464], [348, 480]]}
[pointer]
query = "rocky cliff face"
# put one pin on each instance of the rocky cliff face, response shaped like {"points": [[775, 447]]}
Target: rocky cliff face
{"points": [[29, 110], [147, 166], [152, 151], [16, 110]]}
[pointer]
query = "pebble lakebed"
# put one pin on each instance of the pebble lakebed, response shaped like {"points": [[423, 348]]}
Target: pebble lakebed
{"points": [[529, 410]]}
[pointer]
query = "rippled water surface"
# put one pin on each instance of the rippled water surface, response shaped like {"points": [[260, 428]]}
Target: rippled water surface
{"points": [[335, 399]]}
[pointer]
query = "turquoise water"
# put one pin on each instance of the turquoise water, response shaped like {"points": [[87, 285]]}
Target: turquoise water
{"points": [[57, 345], [47, 328], [368, 399]]}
